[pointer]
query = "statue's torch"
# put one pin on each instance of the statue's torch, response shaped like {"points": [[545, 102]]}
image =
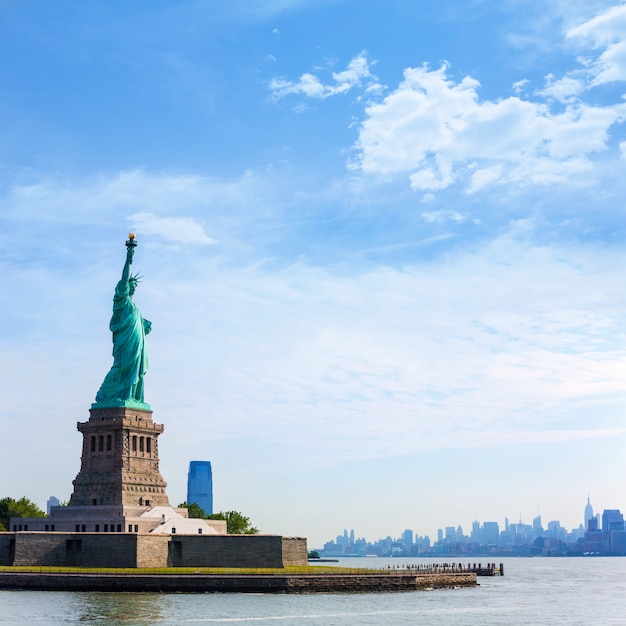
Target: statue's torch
{"points": [[132, 241]]}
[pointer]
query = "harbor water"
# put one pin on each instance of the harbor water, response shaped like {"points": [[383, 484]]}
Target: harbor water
{"points": [[532, 591]]}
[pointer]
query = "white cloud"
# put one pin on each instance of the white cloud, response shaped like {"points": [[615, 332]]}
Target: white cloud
{"points": [[180, 230], [603, 28], [438, 130], [612, 64], [356, 74], [565, 89], [443, 216], [438, 176], [357, 70], [308, 85], [136, 191], [607, 31], [519, 85], [483, 177]]}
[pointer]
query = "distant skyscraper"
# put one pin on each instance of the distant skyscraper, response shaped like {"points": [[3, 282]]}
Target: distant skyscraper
{"points": [[52, 501], [588, 513], [476, 534], [200, 485], [612, 519], [491, 531]]}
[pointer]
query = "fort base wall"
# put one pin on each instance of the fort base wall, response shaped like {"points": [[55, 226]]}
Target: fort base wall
{"points": [[152, 551], [295, 552], [237, 551], [75, 549], [145, 551]]}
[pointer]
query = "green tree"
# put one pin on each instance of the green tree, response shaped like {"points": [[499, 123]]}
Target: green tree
{"points": [[17, 508], [236, 523], [193, 510]]}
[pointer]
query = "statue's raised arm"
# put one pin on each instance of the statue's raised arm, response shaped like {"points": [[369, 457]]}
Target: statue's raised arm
{"points": [[130, 253], [123, 385]]}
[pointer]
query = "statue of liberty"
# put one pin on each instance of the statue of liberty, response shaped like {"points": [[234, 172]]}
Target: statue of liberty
{"points": [[123, 384]]}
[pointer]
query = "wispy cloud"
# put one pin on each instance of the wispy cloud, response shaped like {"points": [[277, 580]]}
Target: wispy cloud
{"points": [[180, 230], [356, 74], [607, 32], [501, 341], [444, 215]]}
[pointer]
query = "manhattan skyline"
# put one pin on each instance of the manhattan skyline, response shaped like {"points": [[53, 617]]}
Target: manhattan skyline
{"points": [[382, 250], [493, 532]]}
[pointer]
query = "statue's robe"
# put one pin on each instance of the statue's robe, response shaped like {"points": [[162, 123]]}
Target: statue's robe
{"points": [[130, 360]]}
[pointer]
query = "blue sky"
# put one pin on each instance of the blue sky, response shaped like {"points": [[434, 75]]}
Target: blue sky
{"points": [[383, 249]]}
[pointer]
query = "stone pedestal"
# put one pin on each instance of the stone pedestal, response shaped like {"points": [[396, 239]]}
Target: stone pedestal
{"points": [[120, 460]]}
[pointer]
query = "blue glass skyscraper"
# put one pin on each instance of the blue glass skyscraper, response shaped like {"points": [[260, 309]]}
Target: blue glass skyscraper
{"points": [[200, 485]]}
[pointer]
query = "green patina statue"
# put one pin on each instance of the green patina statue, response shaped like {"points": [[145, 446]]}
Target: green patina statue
{"points": [[123, 385]]}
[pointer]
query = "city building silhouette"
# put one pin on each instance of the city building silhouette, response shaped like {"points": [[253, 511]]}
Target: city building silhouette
{"points": [[588, 514]]}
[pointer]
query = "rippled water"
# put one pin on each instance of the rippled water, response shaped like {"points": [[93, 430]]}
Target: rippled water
{"points": [[533, 591]]}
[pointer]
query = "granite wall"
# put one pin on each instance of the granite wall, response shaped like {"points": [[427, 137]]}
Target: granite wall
{"points": [[145, 551], [237, 551], [76, 549], [250, 583]]}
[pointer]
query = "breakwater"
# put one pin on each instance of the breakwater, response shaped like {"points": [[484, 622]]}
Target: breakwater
{"points": [[488, 569], [382, 581]]}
